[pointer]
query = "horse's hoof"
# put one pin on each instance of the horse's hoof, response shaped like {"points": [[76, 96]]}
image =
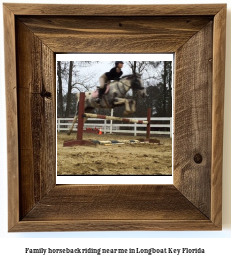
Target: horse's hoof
{"points": [[98, 100], [68, 133]]}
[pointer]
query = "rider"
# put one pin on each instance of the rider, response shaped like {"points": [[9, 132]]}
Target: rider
{"points": [[113, 74]]}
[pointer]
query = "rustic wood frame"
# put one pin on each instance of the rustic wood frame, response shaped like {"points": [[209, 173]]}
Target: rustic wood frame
{"points": [[195, 33]]}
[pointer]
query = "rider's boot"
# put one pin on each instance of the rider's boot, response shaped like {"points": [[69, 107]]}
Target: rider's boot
{"points": [[101, 92]]}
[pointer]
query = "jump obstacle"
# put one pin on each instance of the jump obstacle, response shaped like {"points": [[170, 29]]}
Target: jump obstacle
{"points": [[91, 115], [79, 141]]}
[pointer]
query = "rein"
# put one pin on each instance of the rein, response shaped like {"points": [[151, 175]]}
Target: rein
{"points": [[138, 88]]}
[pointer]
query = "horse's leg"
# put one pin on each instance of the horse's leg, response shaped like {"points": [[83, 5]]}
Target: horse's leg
{"points": [[73, 123], [84, 120], [130, 106], [133, 106], [75, 118], [121, 101]]}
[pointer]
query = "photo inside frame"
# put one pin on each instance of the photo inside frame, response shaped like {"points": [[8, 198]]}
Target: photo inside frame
{"points": [[127, 108]]}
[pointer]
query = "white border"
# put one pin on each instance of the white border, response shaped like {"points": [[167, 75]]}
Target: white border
{"points": [[89, 180], [116, 179], [114, 57]]}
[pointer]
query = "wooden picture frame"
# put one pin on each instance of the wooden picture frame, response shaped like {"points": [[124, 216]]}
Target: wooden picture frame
{"points": [[34, 33]]}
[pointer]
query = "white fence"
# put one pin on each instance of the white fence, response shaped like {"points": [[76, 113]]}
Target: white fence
{"points": [[108, 126]]}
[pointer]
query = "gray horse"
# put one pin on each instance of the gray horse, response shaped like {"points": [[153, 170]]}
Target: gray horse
{"points": [[114, 96]]}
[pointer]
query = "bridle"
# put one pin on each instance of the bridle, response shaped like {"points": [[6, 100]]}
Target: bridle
{"points": [[138, 88]]}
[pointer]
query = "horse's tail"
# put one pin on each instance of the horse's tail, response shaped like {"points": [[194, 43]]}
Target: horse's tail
{"points": [[77, 103], [76, 114], [77, 96]]}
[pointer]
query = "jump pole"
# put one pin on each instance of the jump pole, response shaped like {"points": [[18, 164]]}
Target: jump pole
{"points": [[104, 117], [148, 122]]}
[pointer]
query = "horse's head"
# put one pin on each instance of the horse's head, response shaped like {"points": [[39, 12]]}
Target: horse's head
{"points": [[137, 84], [142, 92], [135, 80]]}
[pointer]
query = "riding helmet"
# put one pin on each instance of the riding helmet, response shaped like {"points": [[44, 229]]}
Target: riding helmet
{"points": [[118, 62]]}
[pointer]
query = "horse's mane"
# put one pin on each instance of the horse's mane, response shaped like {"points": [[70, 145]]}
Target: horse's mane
{"points": [[131, 75], [127, 75]]}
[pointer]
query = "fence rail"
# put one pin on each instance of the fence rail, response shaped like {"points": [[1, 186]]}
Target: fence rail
{"points": [[108, 126]]}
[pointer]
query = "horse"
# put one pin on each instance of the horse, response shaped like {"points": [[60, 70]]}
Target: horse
{"points": [[114, 96]]}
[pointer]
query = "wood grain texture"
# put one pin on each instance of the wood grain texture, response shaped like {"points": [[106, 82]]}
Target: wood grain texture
{"points": [[115, 207], [114, 225], [108, 202], [218, 114], [36, 92], [194, 201], [12, 115], [115, 10], [193, 126], [115, 34]]}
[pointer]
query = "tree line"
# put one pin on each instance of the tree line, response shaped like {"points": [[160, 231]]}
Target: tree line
{"points": [[156, 76]]}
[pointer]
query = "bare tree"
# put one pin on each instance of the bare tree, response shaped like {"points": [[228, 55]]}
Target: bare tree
{"points": [[60, 90], [161, 92], [69, 79], [157, 78], [69, 89]]}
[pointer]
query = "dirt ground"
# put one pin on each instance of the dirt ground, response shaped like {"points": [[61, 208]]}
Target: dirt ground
{"points": [[124, 159]]}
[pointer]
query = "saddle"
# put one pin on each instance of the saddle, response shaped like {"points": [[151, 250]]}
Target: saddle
{"points": [[95, 94]]}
